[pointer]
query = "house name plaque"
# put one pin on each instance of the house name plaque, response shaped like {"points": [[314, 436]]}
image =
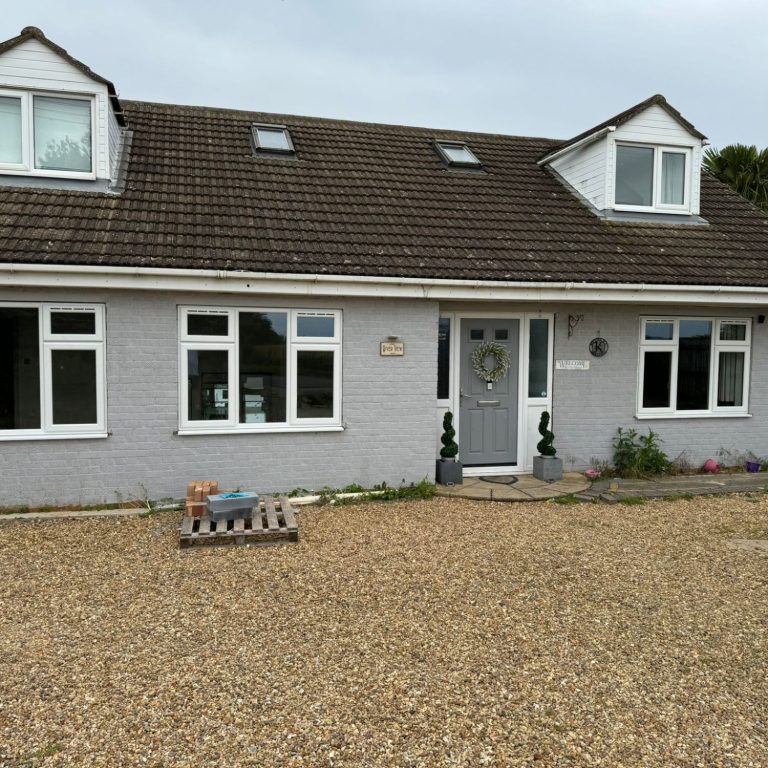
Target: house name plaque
{"points": [[572, 365], [392, 348]]}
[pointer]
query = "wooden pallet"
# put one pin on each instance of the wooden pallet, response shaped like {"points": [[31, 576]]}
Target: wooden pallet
{"points": [[272, 522]]}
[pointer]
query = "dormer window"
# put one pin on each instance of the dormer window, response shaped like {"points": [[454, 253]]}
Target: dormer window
{"points": [[272, 138], [46, 135], [652, 178], [457, 154]]}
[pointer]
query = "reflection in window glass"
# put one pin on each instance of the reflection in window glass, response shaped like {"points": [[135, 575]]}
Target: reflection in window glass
{"points": [[207, 325], [263, 367], [659, 331], [730, 379], [314, 384], [538, 358], [73, 383], [657, 377], [315, 326], [733, 332], [208, 384], [443, 358], [634, 175], [10, 130], [274, 139], [693, 365], [62, 134], [73, 323], [19, 369]]}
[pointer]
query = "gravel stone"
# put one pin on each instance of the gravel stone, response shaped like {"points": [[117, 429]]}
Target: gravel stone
{"points": [[414, 634]]}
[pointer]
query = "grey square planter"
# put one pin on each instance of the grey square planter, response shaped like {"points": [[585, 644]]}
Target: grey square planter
{"points": [[449, 472], [548, 468]]}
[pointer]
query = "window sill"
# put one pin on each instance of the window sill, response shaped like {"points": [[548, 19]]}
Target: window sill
{"points": [[265, 431], [703, 415], [64, 436]]}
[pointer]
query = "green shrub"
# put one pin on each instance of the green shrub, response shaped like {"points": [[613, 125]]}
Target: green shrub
{"points": [[450, 448], [545, 446], [637, 455]]}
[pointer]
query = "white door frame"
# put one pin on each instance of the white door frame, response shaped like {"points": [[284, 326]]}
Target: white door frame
{"points": [[528, 408]]}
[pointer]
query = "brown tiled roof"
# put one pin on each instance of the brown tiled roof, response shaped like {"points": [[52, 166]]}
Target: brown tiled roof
{"points": [[363, 199], [625, 116], [29, 33]]}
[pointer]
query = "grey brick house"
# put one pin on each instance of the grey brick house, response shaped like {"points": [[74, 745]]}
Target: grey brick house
{"points": [[191, 292]]}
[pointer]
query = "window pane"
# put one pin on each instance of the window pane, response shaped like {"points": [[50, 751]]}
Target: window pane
{"points": [[459, 154], [672, 178], [656, 379], [62, 134], [693, 365], [207, 325], [73, 323], [733, 332], [476, 334], [263, 365], [663, 331], [311, 326], [19, 369], [634, 175], [270, 138], [73, 384], [730, 379], [314, 384], [538, 358], [443, 358], [208, 384], [10, 130], [501, 334]]}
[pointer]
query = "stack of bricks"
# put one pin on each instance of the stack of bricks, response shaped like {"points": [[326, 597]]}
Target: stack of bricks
{"points": [[198, 492]]}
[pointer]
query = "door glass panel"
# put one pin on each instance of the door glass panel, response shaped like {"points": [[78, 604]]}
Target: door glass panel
{"points": [[73, 323], [634, 175], [314, 384], [10, 130], [73, 386], [443, 358], [476, 334], [657, 375], [693, 365], [263, 366], [730, 380], [733, 332], [19, 369], [208, 384], [313, 326], [62, 134], [501, 334], [207, 325], [659, 331], [538, 358]]}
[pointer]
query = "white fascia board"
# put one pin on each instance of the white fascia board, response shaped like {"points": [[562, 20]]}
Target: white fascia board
{"points": [[261, 283], [547, 159]]}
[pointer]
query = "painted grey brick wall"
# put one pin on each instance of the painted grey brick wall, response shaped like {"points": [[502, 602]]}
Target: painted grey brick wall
{"points": [[590, 405], [388, 411]]}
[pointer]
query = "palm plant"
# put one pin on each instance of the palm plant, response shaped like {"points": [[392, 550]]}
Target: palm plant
{"points": [[743, 168]]}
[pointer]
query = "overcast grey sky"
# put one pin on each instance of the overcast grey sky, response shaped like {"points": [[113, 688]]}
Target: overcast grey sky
{"points": [[547, 68]]}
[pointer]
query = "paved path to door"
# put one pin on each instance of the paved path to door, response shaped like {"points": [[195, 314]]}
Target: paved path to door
{"points": [[515, 488]]}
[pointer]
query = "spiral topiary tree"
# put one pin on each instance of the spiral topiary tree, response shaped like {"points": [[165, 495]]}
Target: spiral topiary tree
{"points": [[450, 447], [545, 446]]}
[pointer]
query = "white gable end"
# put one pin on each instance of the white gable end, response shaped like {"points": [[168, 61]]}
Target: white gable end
{"points": [[585, 170]]}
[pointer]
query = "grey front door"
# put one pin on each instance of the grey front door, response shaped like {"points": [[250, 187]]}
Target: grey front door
{"points": [[488, 412]]}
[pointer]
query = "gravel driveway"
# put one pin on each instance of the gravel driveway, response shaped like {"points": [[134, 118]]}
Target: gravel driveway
{"points": [[442, 633]]}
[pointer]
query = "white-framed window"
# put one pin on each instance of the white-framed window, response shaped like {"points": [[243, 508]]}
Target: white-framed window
{"points": [[694, 366], [259, 369], [652, 178], [457, 154], [52, 380], [272, 138], [47, 134]]}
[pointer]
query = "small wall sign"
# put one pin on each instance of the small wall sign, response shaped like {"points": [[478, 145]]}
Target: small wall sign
{"points": [[572, 365], [392, 349], [598, 347]]}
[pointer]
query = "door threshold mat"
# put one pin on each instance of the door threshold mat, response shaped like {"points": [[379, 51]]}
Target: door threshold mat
{"points": [[499, 479]]}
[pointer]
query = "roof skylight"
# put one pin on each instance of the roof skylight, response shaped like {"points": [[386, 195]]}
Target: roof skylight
{"points": [[272, 138], [457, 154]]}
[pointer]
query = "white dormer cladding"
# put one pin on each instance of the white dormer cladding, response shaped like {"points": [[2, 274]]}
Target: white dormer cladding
{"points": [[589, 166], [32, 67]]}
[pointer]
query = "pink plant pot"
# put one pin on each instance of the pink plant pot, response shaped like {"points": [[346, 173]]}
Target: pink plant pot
{"points": [[711, 466]]}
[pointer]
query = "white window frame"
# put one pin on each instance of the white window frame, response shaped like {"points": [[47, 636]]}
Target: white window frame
{"points": [[658, 152], [27, 166], [294, 344], [717, 346], [47, 343]]}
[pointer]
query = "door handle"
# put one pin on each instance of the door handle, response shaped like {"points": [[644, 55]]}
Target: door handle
{"points": [[461, 393]]}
